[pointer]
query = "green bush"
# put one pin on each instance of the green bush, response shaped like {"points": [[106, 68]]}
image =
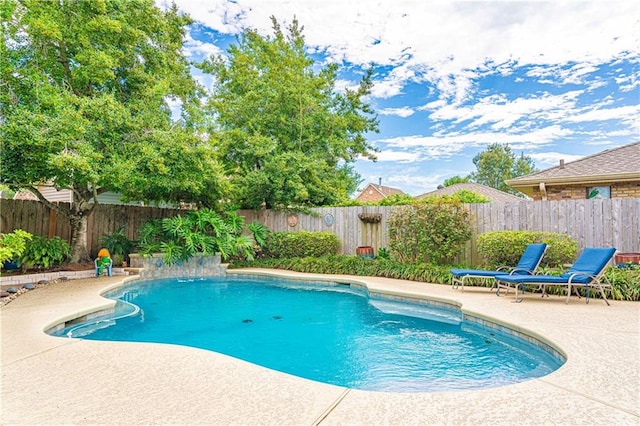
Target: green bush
{"points": [[625, 282], [43, 252], [353, 265], [462, 196], [500, 248], [118, 244], [199, 231], [433, 231], [12, 245], [301, 244]]}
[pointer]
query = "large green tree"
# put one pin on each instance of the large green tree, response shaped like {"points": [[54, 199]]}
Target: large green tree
{"points": [[287, 137], [84, 106], [497, 164]]}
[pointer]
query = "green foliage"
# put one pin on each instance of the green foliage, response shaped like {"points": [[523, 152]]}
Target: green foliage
{"points": [[396, 200], [42, 253], [434, 231], [353, 265], [118, 245], [13, 244], [301, 244], [259, 232], [392, 200], [500, 248], [7, 192], [199, 231], [462, 196], [454, 180], [625, 282], [383, 253], [287, 137], [85, 104], [497, 164]]}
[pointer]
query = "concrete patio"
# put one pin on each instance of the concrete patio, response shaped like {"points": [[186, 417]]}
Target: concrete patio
{"points": [[49, 380]]}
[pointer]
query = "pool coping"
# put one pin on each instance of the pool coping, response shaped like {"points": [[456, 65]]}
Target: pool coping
{"points": [[151, 383]]}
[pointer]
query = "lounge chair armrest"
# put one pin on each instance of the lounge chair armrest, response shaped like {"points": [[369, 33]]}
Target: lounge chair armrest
{"points": [[520, 270], [582, 274], [503, 267]]}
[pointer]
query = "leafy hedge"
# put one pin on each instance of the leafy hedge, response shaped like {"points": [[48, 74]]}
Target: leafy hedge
{"points": [[625, 282], [505, 247], [354, 265], [301, 244]]}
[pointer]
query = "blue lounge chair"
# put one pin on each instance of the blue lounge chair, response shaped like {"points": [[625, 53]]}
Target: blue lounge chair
{"points": [[529, 262], [587, 271]]}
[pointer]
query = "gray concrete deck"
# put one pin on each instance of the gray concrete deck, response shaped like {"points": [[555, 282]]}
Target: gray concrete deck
{"points": [[49, 380]]}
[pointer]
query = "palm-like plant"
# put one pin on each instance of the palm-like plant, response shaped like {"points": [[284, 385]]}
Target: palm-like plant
{"points": [[199, 231]]}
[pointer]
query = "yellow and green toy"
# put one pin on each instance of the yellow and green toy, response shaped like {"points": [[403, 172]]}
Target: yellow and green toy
{"points": [[103, 262]]}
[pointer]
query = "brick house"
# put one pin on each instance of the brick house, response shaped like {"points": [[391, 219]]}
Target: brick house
{"points": [[614, 173], [374, 193]]}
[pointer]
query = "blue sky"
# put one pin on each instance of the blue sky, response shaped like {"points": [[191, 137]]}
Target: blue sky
{"points": [[555, 80]]}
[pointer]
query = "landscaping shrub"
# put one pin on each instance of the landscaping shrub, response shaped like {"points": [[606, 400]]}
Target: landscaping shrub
{"points": [[12, 245], [118, 244], [625, 282], [433, 231], [199, 231], [301, 244], [354, 265], [499, 248], [41, 252], [463, 196]]}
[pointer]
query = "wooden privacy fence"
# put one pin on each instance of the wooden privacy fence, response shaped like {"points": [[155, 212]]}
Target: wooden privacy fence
{"points": [[593, 223], [38, 219]]}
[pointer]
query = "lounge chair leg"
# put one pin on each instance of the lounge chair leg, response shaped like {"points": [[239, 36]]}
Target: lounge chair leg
{"points": [[522, 298]]}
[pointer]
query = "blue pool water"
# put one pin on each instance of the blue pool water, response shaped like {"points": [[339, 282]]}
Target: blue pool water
{"points": [[325, 332]]}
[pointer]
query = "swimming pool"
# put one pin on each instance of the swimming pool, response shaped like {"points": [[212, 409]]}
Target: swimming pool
{"points": [[325, 332]]}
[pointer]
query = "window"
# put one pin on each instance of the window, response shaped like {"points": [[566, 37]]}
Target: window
{"points": [[598, 192]]}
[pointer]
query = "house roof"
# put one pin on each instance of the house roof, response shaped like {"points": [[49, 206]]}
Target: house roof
{"points": [[619, 164], [25, 194], [492, 194], [385, 191]]}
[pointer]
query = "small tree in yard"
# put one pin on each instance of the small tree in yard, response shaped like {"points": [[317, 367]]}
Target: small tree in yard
{"points": [[84, 100], [287, 137], [433, 231]]}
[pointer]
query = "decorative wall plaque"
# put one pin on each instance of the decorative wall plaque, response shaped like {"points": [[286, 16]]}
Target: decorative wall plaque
{"points": [[328, 219], [292, 220]]}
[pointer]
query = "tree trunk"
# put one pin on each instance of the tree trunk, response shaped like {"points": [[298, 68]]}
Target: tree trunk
{"points": [[77, 214], [79, 252]]}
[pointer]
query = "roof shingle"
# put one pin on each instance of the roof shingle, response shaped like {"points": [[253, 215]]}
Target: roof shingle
{"points": [[612, 163]]}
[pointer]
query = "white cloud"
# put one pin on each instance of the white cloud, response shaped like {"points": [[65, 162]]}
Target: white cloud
{"points": [[446, 42], [199, 50], [400, 112], [399, 156], [450, 53], [629, 114], [545, 160]]}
